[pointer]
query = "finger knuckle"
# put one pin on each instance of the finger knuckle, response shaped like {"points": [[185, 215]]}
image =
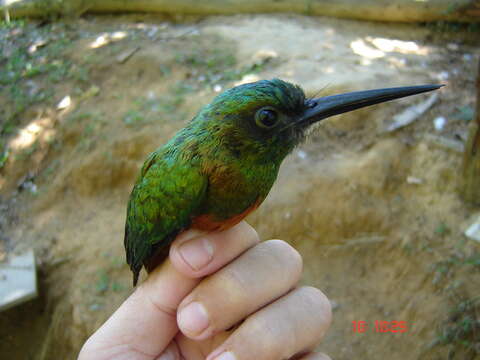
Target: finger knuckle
{"points": [[286, 253], [147, 295], [233, 279], [265, 335]]}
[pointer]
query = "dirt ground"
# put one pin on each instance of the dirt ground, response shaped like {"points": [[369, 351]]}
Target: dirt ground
{"points": [[375, 213]]}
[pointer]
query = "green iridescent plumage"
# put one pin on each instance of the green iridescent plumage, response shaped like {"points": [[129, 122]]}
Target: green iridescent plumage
{"points": [[154, 212], [221, 166]]}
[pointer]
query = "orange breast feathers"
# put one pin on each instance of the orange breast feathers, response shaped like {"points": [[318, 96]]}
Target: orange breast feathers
{"points": [[206, 222]]}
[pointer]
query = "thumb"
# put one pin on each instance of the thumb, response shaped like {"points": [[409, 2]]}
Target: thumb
{"points": [[144, 325]]}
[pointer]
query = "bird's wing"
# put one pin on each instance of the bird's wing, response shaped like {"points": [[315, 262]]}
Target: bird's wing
{"points": [[160, 206]]}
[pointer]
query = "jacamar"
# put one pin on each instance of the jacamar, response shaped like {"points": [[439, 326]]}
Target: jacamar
{"points": [[221, 166]]}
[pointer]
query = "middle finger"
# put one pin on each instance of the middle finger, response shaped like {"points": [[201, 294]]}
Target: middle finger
{"points": [[256, 278]]}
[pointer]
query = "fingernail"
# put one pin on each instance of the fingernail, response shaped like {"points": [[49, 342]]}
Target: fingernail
{"points": [[193, 318], [225, 356], [197, 253]]}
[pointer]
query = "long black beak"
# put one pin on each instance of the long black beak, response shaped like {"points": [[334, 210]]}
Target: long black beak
{"points": [[327, 106]]}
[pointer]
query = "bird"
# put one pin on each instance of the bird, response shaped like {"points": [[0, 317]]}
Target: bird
{"points": [[221, 166]]}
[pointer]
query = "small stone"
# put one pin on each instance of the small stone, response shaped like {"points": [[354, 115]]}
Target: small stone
{"points": [[37, 44], [453, 47], [414, 180], [64, 103], [444, 75], [301, 154], [473, 231], [28, 185], [439, 123], [217, 88], [32, 187]]}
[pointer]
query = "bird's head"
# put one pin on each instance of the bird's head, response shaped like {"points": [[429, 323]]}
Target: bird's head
{"points": [[268, 118]]}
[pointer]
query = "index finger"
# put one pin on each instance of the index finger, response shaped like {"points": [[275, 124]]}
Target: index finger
{"points": [[144, 325]]}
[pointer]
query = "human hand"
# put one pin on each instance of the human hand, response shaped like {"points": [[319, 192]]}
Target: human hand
{"points": [[212, 282]]}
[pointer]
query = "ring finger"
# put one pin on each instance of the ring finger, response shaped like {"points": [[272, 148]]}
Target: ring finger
{"points": [[291, 325]]}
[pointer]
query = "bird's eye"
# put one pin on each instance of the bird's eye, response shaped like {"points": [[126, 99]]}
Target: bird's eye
{"points": [[266, 118]]}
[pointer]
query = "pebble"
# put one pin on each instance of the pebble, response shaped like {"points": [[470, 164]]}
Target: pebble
{"points": [[414, 180], [64, 103], [473, 231], [301, 154], [453, 47], [444, 75], [439, 123]]}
